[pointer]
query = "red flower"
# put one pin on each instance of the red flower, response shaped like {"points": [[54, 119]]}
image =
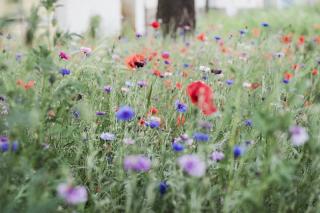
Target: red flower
{"points": [[135, 61], [26, 86], [287, 75], [155, 25], [201, 95], [178, 85], [202, 37], [153, 111], [315, 72], [286, 39], [301, 40]]}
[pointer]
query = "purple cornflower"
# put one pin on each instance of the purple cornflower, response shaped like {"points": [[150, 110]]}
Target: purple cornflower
{"points": [[64, 71], [107, 136], [205, 125], [125, 113], [137, 163], [142, 84], [217, 156], [154, 124], [163, 187], [264, 24], [99, 113], [229, 82], [200, 137], [177, 147], [72, 194], [107, 89], [181, 107], [4, 144], [19, 57], [248, 122], [299, 135], [192, 165]]}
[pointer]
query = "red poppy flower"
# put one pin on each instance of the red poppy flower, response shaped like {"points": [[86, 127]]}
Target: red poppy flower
{"points": [[178, 85], [301, 40], [315, 72], [287, 75], [286, 39], [153, 111], [155, 25], [157, 73], [201, 95], [135, 61], [202, 37], [26, 86]]}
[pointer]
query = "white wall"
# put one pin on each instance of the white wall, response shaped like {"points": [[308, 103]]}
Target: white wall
{"points": [[75, 15]]}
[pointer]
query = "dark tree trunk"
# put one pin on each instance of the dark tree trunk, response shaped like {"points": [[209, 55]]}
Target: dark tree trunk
{"points": [[176, 14], [207, 6]]}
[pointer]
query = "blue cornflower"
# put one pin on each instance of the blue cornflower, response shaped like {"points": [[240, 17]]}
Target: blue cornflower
{"points": [[181, 107], [64, 71], [200, 137], [163, 187], [177, 147], [107, 89], [185, 65], [76, 114], [237, 151], [229, 82], [217, 38], [286, 81], [264, 24], [248, 123], [243, 32], [4, 144], [15, 146], [125, 113], [154, 124]]}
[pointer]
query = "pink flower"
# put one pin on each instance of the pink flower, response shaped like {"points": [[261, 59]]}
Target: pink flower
{"points": [[137, 163], [192, 165], [299, 135], [86, 50], [64, 56], [72, 195]]}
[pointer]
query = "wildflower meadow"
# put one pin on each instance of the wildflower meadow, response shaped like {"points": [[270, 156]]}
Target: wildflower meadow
{"points": [[223, 120]]}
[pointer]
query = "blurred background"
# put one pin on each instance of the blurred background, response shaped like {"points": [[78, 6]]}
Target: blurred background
{"points": [[113, 17]]}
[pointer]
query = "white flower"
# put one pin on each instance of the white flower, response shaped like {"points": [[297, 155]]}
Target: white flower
{"points": [[107, 136]]}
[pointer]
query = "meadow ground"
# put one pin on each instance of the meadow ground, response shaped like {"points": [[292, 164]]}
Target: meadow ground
{"points": [[226, 121]]}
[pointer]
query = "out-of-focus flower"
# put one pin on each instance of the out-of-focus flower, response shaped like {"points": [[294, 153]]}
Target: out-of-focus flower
{"points": [[217, 156], [202, 37], [72, 194], [125, 113], [248, 123], [238, 151], [135, 61], [99, 113], [163, 187], [30, 84], [155, 25], [200, 137], [86, 50], [181, 107], [107, 136], [264, 24], [64, 71], [137, 163], [202, 96], [107, 89], [128, 141], [192, 165], [177, 147], [4, 144], [15, 146], [299, 135], [64, 56]]}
